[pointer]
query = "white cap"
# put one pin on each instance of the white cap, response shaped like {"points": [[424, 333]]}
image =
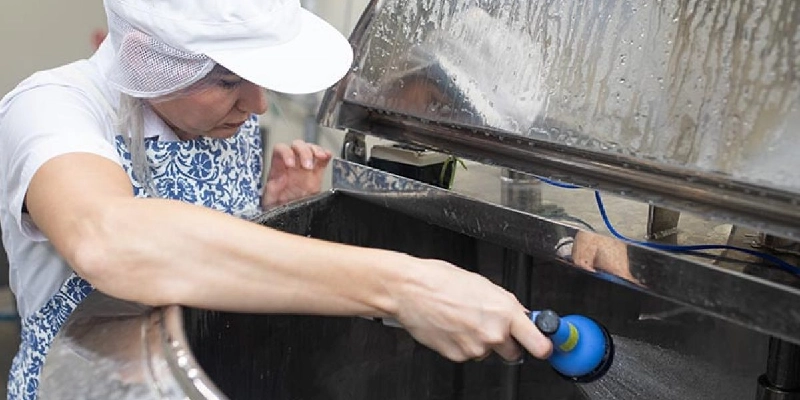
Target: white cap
{"points": [[275, 44]]}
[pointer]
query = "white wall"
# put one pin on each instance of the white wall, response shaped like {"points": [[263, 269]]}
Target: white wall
{"points": [[41, 34]]}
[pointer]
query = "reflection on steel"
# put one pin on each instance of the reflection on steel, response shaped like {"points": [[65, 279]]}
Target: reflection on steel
{"points": [[666, 101], [112, 349]]}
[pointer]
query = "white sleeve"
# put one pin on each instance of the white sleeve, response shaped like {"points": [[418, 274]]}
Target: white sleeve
{"points": [[37, 125]]}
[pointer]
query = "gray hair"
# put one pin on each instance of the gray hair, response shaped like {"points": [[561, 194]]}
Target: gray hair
{"points": [[130, 122]]}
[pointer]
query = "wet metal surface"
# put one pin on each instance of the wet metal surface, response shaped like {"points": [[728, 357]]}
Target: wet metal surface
{"points": [[113, 349], [687, 104], [707, 85]]}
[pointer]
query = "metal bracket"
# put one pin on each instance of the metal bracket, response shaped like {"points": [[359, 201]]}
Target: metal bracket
{"points": [[354, 148], [777, 245], [662, 225]]}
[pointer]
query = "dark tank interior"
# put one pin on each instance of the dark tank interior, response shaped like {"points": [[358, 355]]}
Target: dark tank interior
{"points": [[664, 350]]}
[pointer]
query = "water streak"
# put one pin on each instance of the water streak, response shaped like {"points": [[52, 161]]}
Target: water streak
{"points": [[644, 371]]}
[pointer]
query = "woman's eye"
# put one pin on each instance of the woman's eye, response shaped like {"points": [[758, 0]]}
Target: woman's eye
{"points": [[230, 83]]}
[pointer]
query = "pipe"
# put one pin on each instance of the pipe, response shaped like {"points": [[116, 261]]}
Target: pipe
{"points": [[782, 379], [516, 279], [520, 191]]}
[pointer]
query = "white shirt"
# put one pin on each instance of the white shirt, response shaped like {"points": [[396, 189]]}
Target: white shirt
{"points": [[63, 110]]}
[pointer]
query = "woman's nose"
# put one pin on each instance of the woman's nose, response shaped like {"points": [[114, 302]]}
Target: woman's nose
{"points": [[252, 98]]}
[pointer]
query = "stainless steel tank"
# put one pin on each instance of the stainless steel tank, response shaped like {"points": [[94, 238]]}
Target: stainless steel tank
{"points": [[682, 105], [113, 349]]}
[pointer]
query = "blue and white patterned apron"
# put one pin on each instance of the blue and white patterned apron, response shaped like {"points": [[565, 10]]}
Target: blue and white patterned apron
{"points": [[223, 174]]}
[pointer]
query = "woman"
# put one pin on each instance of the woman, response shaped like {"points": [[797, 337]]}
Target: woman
{"points": [[130, 173]]}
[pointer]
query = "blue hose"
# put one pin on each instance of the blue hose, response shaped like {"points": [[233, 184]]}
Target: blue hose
{"points": [[676, 248]]}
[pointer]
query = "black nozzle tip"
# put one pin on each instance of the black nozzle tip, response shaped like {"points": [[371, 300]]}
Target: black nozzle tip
{"points": [[603, 366], [548, 322]]}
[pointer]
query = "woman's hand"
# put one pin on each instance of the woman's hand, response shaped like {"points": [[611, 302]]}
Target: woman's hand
{"points": [[464, 316], [295, 172]]}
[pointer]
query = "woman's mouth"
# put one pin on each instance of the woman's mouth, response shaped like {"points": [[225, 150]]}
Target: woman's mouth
{"points": [[233, 124]]}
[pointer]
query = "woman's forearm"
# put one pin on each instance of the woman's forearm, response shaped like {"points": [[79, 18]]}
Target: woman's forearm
{"points": [[161, 251], [157, 251]]}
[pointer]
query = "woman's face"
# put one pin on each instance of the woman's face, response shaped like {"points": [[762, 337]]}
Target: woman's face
{"points": [[217, 109]]}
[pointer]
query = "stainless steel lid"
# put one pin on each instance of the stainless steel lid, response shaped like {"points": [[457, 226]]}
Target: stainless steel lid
{"points": [[690, 105]]}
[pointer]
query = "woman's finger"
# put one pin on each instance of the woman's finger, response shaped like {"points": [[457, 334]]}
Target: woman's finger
{"points": [[529, 337], [285, 154], [320, 153], [484, 356], [509, 350], [322, 163], [304, 153]]}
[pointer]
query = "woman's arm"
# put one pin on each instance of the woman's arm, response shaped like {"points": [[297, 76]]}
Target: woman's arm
{"points": [[157, 252]]}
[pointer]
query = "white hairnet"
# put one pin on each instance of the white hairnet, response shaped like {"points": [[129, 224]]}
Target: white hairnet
{"points": [[146, 67]]}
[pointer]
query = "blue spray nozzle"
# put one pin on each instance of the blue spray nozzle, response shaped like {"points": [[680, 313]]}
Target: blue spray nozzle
{"points": [[582, 348]]}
